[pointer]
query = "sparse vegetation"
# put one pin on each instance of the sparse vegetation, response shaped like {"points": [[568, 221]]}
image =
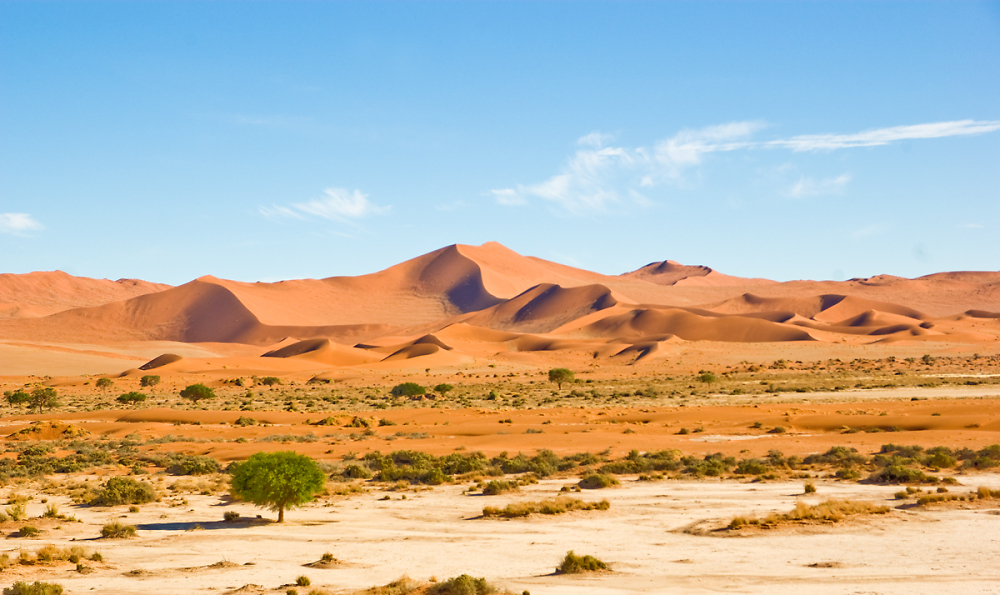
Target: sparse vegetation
{"points": [[117, 530], [463, 585], [557, 505], [573, 564], [830, 511]]}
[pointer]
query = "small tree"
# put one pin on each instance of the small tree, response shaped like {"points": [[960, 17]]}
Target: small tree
{"points": [[560, 375], [131, 398], [44, 397], [707, 377], [104, 383], [17, 398], [407, 389], [197, 392], [149, 380], [278, 480], [443, 388]]}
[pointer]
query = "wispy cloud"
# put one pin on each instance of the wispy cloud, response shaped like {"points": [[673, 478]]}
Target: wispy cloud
{"points": [[597, 175], [812, 187], [337, 204], [18, 223], [972, 226], [884, 136]]}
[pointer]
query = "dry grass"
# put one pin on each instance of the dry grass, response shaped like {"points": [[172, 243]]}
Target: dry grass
{"points": [[553, 506], [831, 511]]}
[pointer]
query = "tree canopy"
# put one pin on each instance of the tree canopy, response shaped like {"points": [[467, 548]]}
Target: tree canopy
{"points": [[278, 480], [44, 397], [407, 389], [197, 392], [149, 380], [560, 375], [131, 398]]}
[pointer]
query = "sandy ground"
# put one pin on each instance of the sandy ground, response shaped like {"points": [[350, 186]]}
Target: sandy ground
{"points": [[436, 533]]}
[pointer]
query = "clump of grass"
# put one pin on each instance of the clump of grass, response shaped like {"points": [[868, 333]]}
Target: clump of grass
{"points": [[809, 488], [597, 481], [553, 506], [35, 588], [303, 581], [499, 486], [124, 490], [28, 531], [463, 585], [573, 564], [17, 511], [117, 530], [231, 516], [830, 511]]}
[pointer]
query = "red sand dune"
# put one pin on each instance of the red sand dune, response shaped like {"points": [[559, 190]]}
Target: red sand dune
{"points": [[463, 302]]}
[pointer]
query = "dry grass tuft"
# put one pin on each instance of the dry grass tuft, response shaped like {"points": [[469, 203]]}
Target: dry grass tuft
{"points": [[831, 511], [553, 506]]}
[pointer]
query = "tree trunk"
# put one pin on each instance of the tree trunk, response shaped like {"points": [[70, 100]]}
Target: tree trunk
{"points": [[281, 514]]}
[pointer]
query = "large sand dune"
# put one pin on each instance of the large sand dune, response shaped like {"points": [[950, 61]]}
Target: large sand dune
{"points": [[490, 302]]}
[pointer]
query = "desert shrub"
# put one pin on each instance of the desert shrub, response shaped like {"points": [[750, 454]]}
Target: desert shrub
{"points": [[839, 456], [712, 465], [407, 389], [553, 506], [28, 531], [123, 490], [897, 473], [269, 380], [36, 588], [303, 581], [354, 471], [243, 422], [830, 511], [17, 511], [597, 481], [809, 488], [149, 380], [499, 486], [52, 512], [131, 398], [573, 564], [17, 398], [231, 516], [194, 465], [117, 530], [462, 585], [197, 392], [752, 467], [103, 383]]}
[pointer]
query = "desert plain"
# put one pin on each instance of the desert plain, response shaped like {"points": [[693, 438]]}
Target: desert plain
{"points": [[718, 434]]}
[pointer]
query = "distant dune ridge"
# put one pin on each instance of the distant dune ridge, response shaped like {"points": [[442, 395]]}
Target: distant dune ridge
{"points": [[461, 301]]}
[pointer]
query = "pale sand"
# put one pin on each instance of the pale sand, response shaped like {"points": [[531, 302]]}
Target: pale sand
{"points": [[435, 533]]}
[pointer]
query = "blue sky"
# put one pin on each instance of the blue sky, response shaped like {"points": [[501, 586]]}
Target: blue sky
{"points": [[261, 141]]}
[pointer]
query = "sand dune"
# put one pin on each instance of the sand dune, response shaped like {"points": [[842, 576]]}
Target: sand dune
{"points": [[488, 301], [544, 308], [43, 293]]}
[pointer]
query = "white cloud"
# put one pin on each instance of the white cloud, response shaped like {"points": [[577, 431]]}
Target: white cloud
{"points": [[812, 187], [594, 139], [337, 204], [18, 223], [972, 226], [597, 176], [884, 136]]}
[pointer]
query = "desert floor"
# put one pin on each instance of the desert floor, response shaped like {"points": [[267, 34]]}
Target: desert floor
{"points": [[437, 533]]}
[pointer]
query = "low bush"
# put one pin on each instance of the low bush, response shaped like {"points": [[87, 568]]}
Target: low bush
{"points": [[36, 588], [830, 511], [499, 486], [28, 531], [557, 505], [117, 530], [597, 481], [463, 585], [231, 516], [573, 564], [123, 490]]}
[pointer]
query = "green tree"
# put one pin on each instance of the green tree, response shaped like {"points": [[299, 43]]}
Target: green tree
{"points": [[104, 383], [149, 380], [17, 398], [131, 398], [407, 389], [560, 375], [443, 388], [197, 392], [44, 397], [707, 377], [278, 480]]}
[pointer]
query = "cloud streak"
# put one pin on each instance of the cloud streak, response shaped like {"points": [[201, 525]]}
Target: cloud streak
{"points": [[598, 176], [18, 223], [337, 204]]}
